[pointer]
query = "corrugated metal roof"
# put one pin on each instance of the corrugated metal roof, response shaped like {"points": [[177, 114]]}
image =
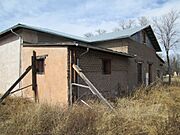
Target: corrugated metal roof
{"points": [[53, 32], [99, 38], [127, 34], [116, 35]]}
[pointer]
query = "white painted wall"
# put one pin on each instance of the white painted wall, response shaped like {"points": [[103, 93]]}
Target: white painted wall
{"points": [[9, 62]]}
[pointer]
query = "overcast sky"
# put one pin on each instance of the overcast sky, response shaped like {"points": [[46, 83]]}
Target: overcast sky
{"points": [[79, 16]]}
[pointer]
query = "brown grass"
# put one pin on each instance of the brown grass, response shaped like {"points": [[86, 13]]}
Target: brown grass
{"points": [[150, 111]]}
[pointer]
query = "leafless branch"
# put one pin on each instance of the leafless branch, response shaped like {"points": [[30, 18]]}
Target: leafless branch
{"points": [[143, 21], [127, 24], [167, 33], [100, 31]]}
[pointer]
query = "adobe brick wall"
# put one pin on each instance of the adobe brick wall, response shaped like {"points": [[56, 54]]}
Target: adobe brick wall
{"points": [[143, 54], [53, 84], [40, 37], [111, 85], [146, 55], [116, 45], [124, 71]]}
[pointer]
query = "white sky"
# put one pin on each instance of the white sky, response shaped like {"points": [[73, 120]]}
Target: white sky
{"points": [[78, 17]]}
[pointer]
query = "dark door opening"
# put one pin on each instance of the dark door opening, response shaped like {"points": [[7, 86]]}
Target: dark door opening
{"points": [[150, 73], [139, 73]]}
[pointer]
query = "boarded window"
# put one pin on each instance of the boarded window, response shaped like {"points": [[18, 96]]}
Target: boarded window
{"points": [[139, 73], [106, 66], [40, 66]]}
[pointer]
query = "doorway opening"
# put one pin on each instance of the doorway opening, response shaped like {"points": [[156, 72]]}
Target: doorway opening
{"points": [[139, 73], [150, 73]]}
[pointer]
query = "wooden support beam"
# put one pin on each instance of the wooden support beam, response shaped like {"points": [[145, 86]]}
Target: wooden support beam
{"points": [[34, 76], [21, 89], [80, 85], [83, 86], [34, 80], [74, 61], [70, 78], [91, 86], [86, 103], [8, 92]]}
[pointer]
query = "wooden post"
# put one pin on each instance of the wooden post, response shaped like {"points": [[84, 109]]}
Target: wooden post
{"points": [[74, 76], [70, 77], [34, 76], [91, 86]]}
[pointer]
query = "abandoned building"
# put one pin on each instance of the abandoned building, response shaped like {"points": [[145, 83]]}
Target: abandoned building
{"points": [[115, 63]]}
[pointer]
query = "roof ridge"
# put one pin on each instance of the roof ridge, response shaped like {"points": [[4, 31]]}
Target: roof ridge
{"points": [[116, 35], [94, 38], [128, 29], [100, 38]]}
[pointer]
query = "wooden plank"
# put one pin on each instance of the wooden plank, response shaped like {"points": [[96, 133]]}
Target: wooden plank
{"points": [[74, 61], [91, 86], [21, 89], [70, 77], [86, 103], [80, 85]]}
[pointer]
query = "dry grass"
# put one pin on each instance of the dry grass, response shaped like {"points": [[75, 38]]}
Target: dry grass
{"points": [[151, 111]]}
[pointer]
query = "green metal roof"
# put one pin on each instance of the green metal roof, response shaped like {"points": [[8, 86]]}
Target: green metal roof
{"points": [[127, 34], [99, 38], [116, 35], [44, 30]]}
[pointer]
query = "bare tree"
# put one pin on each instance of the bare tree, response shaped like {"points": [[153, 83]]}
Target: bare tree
{"points": [[89, 34], [143, 21], [122, 24], [126, 24], [100, 31], [165, 28]]}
